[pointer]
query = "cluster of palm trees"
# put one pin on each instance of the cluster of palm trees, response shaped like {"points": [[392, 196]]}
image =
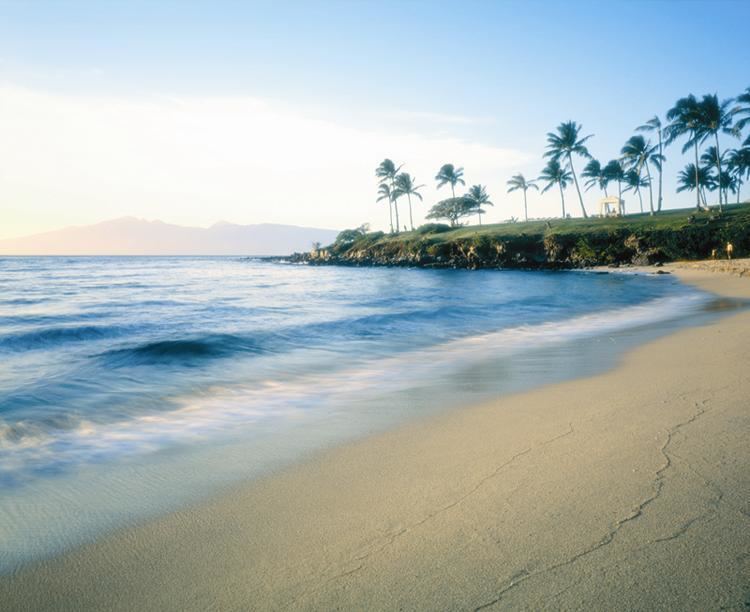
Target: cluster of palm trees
{"points": [[697, 122], [394, 184]]}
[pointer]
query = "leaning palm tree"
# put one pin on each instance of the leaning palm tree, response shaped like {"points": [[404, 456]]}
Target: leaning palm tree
{"points": [[450, 175], [638, 153], [595, 176], [742, 109], [387, 172], [478, 195], [634, 181], [691, 178], [738, 163], [405, 187], [685, 120], [384, 193], [518, 181], [615, 172], [654, 125], [715, 117], [555, 174], [563, 144]]}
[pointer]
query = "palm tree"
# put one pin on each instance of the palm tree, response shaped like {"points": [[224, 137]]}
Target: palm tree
{"points": [[742, 109], [555, 174], [615, 172], [692, 178], [450, 175], [387, 172], [715, 117], [708, 159], [639, 152], [654, 125], [384, 193], [738, 162], [564, 144], [518, 181], [478, 195], [405, 186], [595, 176], [685, 120], [635, 181]]}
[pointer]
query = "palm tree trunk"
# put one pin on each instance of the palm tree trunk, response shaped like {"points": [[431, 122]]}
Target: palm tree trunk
{"points": [[650, 190], [562, 199], [411, 221], [640, 197], [390, 213], [578, 189], [661, 163], [453, 190], [718, 166], [395, 204], [739, 188], [526, 210], [697, 178]]}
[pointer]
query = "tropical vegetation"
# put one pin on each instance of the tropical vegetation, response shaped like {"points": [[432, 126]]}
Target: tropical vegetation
{"points": [[700, 125]]}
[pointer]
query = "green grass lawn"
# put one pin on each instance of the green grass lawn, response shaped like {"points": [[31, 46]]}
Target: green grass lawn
{"points": [[665, 220]]}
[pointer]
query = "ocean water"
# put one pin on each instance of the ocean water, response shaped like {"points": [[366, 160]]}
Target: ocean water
{"points": [[133, 386]]}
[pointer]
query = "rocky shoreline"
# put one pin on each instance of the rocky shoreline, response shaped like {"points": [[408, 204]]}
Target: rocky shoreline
{"points": [[546, 248]]}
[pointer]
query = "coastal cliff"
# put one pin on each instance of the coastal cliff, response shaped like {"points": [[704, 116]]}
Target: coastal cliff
{"points": [[549, 244]]}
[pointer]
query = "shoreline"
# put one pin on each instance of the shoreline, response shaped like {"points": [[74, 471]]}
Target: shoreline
{"points": [[627, 488]]}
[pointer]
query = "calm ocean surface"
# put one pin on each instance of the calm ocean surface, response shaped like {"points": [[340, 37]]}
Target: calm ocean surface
{"points": [[132, 386]]}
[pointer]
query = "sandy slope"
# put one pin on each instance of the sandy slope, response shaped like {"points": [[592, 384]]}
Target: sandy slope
{"points": [[628, 490]]}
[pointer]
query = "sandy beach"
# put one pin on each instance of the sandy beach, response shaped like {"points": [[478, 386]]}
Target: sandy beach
{"points": [[627, 490]]}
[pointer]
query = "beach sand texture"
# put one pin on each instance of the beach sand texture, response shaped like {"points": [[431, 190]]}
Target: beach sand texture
{"points": [[624, 491]]}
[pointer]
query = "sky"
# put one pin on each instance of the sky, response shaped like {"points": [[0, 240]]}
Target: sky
{"points": [[251, 112]]}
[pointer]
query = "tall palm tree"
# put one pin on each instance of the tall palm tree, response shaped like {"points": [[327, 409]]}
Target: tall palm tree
{"points": [[685, 120], [405, 187], [715, 117], [635, 181], [654, 125], [742, 109], [478, 195], [555, 174], [738, 162], [615, 172], [384, 193], [691, 178], [518, 181], [595, 176], [387, 172], [563, 144], [450, 175], [638, 153]]}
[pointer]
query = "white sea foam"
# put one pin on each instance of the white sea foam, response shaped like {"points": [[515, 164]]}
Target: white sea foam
{"points": [[220, 410]]}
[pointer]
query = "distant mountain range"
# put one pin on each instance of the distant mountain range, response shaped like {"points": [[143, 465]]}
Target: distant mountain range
{"points": [[131, 236]]}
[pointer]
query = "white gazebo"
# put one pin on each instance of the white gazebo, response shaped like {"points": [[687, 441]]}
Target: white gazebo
{"points": [[611, 206]]}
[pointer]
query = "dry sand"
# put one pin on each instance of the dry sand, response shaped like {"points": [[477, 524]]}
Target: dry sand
{"points": [[628, 490]]}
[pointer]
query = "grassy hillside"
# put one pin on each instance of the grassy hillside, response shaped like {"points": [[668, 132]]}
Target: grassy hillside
{"points": [[557, 243]]}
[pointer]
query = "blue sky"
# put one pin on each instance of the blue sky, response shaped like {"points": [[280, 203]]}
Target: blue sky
{"points": [[476, 83]]}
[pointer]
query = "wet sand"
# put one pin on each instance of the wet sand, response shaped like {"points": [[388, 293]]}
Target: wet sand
{"points": [[627, 490]]}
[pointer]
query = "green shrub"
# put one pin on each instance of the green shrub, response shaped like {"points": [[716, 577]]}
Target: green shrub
{"points": [[433, 228]]}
